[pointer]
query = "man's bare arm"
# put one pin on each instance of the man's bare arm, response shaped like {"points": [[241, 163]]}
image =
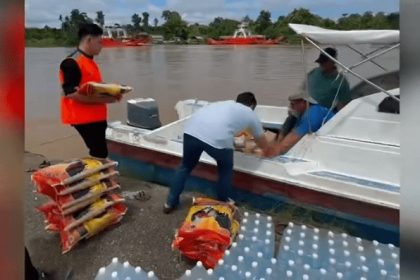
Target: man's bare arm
{"points": [[285, 145], [261, 142]]}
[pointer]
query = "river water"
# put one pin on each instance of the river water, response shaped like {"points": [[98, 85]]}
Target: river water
{"points": [[169, 74]]}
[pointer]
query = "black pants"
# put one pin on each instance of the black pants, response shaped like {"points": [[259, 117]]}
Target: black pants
{"points": [[30, 271], [192, 150], [94, 136]]}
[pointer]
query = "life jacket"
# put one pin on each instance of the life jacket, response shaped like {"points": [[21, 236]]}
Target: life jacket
{"points": [[73, 111]]}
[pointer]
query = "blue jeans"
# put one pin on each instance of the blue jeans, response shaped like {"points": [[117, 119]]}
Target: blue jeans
{"points": [[192, 150]]}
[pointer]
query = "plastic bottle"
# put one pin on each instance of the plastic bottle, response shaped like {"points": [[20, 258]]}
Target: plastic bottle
{"points": [[255, 270], [122, 270], [198, 272], [289, 274], [115, 276], [241, 265], [128, 271], [101, 274], [151, 275], [187, 275], [234, 253], [314, 261], [114, 265]]}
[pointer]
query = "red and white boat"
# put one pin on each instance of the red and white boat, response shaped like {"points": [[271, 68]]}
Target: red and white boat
{"points": [[243, 36], [118, 37]]}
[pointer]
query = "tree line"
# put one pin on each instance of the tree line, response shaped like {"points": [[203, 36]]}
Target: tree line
{"points": [[173, 26]]}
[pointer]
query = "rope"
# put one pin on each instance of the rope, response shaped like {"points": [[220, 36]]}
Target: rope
{"points": [[333, 104]]}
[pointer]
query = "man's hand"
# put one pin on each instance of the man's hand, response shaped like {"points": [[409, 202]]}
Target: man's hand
{"points": [[271, 151], [261, 142], [93, 99], [119, 97]]}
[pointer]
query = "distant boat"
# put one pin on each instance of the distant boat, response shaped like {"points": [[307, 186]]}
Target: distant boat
{"points": [[118, 37], [243, 36]]}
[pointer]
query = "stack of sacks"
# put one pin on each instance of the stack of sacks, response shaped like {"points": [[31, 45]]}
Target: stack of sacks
{"points": [[207, 231], [83, 198]]}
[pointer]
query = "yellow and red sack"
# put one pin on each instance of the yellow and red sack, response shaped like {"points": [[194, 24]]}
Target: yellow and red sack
{"points": [[103, 89], [57, 221], [59, 179], [207, 231], [92, 227]]}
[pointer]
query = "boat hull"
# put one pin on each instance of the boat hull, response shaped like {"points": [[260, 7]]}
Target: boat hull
{"points": [[364, 219], [113, 43], [243, 41]]}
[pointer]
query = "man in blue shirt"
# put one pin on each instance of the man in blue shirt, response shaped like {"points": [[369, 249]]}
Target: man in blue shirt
{"points": [[326, 86], [212, 129], [309, 115]]}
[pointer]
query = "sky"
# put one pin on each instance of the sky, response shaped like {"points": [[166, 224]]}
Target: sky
{"points": [[46, 12]]}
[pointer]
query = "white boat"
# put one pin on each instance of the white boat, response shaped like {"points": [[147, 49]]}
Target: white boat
{"points": [[349, 169]]}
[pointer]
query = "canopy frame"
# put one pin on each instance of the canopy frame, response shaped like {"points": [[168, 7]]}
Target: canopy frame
{"points": [[368, 58]]}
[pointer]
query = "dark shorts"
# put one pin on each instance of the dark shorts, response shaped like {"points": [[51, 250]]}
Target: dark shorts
{"points": [[94, 136]]}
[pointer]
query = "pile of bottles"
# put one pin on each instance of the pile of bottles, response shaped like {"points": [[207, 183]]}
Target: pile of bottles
{"points": [[313, 253], [117, 271], [304, 253]]}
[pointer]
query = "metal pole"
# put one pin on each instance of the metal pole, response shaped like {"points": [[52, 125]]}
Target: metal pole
{"points": [[364, 56], [354, 73], [374, 56], [304, 66]]}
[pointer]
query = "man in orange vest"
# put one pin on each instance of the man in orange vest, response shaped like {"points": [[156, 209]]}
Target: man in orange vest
{"points": [[87, 114]]}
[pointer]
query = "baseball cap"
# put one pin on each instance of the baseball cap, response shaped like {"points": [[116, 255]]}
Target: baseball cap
{"points": [[323, 58], [302, 95]]}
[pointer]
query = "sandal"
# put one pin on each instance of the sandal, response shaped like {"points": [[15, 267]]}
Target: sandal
{"points": [[142, 196]]}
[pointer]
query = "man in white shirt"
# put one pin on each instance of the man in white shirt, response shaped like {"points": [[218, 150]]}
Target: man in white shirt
{"points": [[212, 129]]}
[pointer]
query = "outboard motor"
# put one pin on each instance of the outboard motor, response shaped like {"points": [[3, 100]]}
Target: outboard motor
{"points": [[143, 113]]}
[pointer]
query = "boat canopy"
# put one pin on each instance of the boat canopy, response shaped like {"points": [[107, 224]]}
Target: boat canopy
{"points": [[317, 36], [346, 37]]}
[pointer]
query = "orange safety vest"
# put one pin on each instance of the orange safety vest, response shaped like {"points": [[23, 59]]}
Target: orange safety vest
{"points": [[75, 112]]}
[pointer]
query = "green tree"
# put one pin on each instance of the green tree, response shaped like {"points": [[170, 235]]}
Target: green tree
{"points": [[155, 22], [263, 22], [247, 19], [393, 20], [60, 18], [352, 21], [72, 24], [328, 23], [366, 20], [136, 20], [304, 16], [146, 20], [222, 27], [174, 26], [379, 21], [100, 18]]}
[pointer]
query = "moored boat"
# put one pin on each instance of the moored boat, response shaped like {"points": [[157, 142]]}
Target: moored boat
{"points": [[118, 37], [348, 171], [242, 36]]}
